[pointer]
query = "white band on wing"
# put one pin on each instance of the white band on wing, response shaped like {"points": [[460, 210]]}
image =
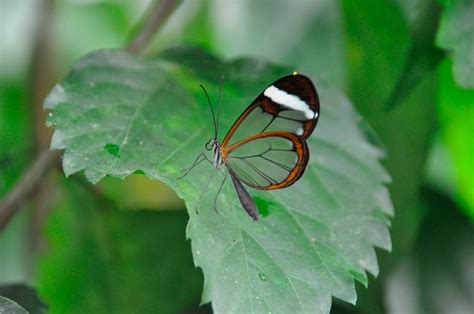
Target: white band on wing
{"points": [[290, 101]]}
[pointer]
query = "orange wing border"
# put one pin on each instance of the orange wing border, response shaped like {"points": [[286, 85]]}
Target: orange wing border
{"points": [[300, 148]]}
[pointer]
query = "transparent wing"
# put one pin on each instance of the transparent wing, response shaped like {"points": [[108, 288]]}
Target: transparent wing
{"points": [[290, 104], [268, 161]]}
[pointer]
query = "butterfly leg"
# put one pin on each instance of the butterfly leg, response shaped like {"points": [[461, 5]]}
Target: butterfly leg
{"points": [[200, 158], [218, 192], [203, 192]]}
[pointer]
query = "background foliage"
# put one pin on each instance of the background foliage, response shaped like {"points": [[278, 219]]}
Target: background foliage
{"points": [[120, 245]]}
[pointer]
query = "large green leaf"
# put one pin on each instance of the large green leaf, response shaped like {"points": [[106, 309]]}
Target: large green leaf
{"points": [[456, 33], [116, 113]]}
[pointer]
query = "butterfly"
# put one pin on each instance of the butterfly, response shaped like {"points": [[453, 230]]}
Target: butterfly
{"points": [[266, 146]]}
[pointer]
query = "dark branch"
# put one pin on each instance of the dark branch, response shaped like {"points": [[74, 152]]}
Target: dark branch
{"points": [[26, 185], [159, 13]]}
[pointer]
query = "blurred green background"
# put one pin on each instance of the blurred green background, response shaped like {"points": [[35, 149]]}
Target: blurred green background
{"points": [[100, 248]]}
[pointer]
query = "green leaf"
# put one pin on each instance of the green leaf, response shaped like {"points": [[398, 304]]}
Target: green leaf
{"points": [[8, 306], [405, 130], [318, 235], [101, 260], [456, 119], [378, 44], [456, 33], [377, 39], [423, 57]]}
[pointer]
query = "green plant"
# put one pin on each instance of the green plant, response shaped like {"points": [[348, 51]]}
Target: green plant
{"points": [[139, 115]]}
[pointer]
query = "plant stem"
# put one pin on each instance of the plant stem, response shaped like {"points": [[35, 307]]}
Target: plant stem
{"points": [[41, 80], [159, 13], [26, 186]]}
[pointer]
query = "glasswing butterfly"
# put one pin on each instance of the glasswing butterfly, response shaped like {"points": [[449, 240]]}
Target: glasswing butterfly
{"points": [[266, 146]]}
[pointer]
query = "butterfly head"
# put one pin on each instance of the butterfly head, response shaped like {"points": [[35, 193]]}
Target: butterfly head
{"points": [[212, 144]]}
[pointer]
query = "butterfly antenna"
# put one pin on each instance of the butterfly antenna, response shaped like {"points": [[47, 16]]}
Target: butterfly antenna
{"points": [[219, 105], [212, 110]]}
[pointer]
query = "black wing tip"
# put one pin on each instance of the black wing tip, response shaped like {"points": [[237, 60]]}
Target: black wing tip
{"points": [[299, 77]]}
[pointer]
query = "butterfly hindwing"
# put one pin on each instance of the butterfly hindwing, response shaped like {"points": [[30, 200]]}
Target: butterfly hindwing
{"points": [[269, 160]]}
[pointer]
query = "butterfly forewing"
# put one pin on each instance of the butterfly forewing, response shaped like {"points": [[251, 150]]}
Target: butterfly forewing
{"points": [[290, 104]]}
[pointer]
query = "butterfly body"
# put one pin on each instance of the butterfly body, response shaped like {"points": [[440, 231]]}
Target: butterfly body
{"points": [[266, 147], [215, 146]]}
